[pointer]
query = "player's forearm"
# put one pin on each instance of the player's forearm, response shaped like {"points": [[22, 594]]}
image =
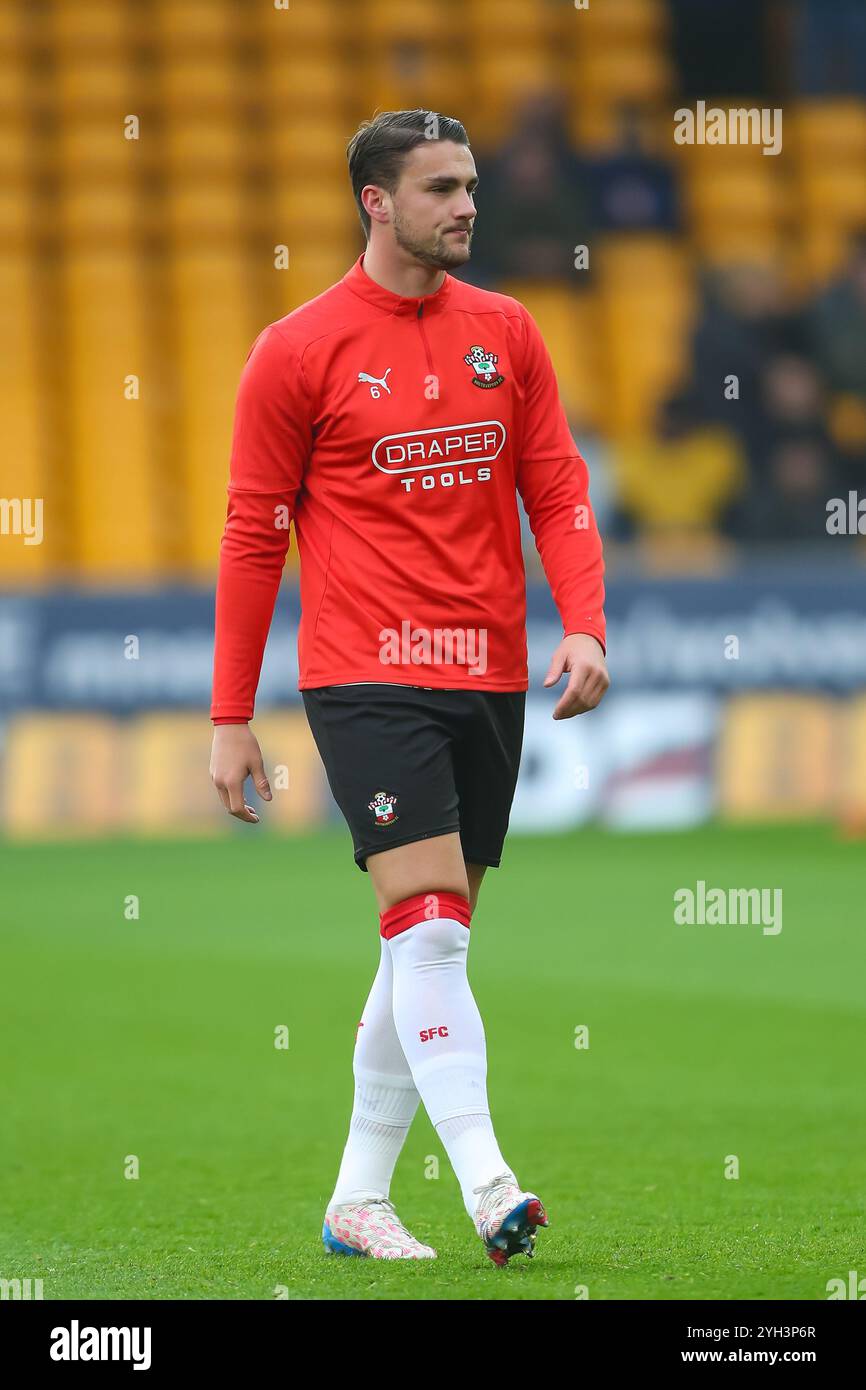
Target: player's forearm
{"points": [[252, 556], [556, 497]]}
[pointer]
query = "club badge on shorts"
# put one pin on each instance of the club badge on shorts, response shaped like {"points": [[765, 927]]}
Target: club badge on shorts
{"points": [[484, 365], [382, 807]]}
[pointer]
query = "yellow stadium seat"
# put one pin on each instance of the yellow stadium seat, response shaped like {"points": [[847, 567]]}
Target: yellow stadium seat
{"points": [[13, 30], [196, 25], [19, 92], [735, 197], [620, 23], [724, 245], [90, 143], [832, 196], [212, 209], [568, 320], [214, 329], [16, 216], [529, 25], [321, 153], [99, 213], [680, 484], [314, 269], [643, 259], [305, 210], [645, 343], [301, 90], [387, 21], [829, 132], [664, 307], [30, 543], [117, 533], [207, 83], [205, 143], [645, 324], [633, 74], [306, 27], [103, 83], [89, 27]]}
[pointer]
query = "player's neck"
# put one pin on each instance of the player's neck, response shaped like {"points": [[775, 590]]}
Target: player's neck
{"points": [[410, 280]]}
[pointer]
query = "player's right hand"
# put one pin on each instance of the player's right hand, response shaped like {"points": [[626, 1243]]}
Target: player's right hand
{"points": [[235, 756]]}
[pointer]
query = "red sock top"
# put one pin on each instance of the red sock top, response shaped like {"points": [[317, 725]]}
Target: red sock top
{"points": [[424, 907]]}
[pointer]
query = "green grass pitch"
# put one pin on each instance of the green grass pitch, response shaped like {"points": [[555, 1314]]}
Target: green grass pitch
{"points": [[155, 1038]]}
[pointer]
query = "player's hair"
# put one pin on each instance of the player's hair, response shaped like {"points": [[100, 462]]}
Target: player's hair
{"points": [[378, 148]]}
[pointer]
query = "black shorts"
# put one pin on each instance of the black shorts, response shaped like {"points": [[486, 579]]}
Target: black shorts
{"points": [[406, 764]]}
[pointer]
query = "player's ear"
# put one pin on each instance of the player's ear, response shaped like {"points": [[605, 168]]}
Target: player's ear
{"points": [[376, 202]]}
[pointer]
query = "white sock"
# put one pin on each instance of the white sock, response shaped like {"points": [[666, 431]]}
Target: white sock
{"points": [[385, 1097], [473, 1154], [441, 1032]]}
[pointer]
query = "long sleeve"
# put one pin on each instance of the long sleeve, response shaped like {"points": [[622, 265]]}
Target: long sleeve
{"points": [[553, 481], [271, 443]]}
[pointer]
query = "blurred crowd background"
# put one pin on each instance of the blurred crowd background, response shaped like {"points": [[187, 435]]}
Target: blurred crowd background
{"points": [[174, 178], [148, 249]]}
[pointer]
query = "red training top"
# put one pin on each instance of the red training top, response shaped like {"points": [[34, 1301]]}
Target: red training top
{"points": [[395, 431]]}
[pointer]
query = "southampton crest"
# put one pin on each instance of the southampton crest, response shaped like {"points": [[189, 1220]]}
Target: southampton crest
{"points": [[382, 807], [484, 365]]}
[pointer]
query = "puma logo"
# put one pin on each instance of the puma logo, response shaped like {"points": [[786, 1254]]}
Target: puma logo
{"points": [[375, 382]]}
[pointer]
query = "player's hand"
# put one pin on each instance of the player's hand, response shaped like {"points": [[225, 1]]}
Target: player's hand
{"points": [[582, 657], [235, 756]]}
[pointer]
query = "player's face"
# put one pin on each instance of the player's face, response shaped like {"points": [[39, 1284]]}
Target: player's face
{"points": [[433, 209]]}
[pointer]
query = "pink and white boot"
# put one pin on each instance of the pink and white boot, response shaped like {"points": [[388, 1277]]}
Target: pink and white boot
{"points": [[371, 1228]]}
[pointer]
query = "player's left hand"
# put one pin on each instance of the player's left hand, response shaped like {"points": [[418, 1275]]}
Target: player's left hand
{"points": [[583, 658]]}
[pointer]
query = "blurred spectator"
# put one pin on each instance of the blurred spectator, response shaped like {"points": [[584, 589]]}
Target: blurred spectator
{"points": [[830, 48], [632, 189], [746, 321], [531, 208], [791, 393], [794, 465], [791, 401], [792, 504], [838, 325], [542, 115]]}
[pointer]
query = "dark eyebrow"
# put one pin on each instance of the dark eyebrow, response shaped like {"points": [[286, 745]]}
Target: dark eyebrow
{"points": [[449, 181]]}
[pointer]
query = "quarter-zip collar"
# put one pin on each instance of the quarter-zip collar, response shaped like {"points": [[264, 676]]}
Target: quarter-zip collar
{"points": [[359, 282]]}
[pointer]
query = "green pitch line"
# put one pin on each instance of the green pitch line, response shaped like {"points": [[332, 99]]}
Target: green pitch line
{"points": [[153, 1038]]}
